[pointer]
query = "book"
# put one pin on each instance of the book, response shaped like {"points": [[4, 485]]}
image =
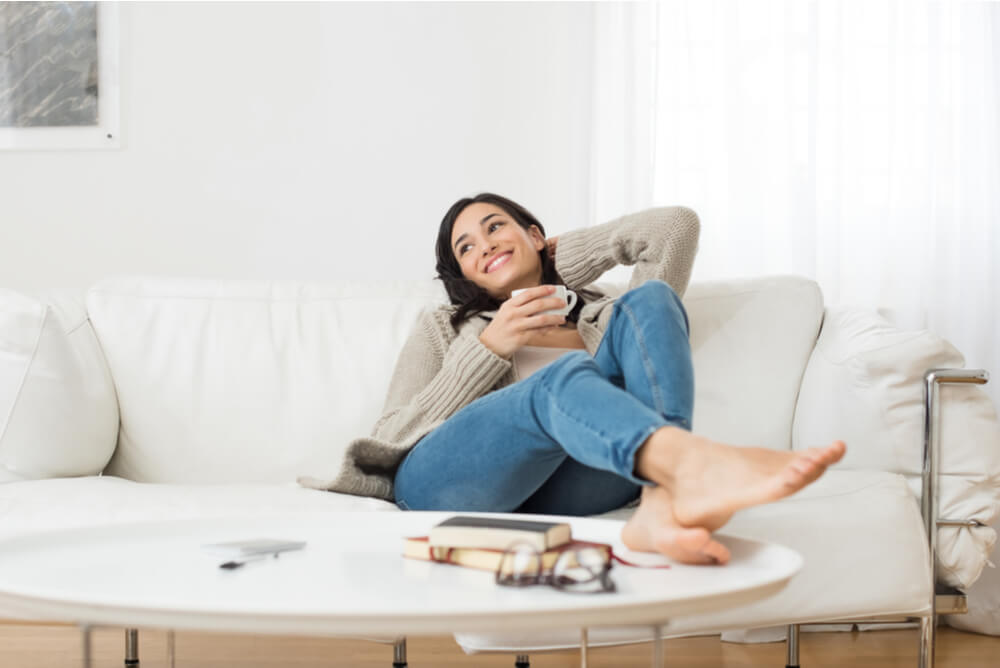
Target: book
{"points": [[487, 559], [498, 533]]}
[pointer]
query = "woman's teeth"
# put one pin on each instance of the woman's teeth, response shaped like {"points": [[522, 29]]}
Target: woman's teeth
{"points": [[497, 263]]}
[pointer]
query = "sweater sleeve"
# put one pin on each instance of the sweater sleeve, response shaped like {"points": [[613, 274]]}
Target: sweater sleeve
{"points": [[660, 243], [434, 378]]}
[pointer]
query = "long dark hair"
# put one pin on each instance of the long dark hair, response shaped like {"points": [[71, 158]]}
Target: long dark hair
{"points": [[466, 295]]}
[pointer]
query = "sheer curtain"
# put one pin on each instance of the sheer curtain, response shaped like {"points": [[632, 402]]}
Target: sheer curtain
{"points": [[855, 143]]}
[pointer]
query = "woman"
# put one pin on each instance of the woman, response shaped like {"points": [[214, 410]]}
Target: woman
{"points": [[497, 406]]}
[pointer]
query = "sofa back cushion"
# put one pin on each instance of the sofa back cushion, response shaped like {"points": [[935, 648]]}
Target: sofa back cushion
{"points": [[225, 381], [58, 410], [247, 381], [750, 341]]}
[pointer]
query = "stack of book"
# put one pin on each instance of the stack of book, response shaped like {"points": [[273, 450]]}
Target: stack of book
{"points": [[480, 542]]}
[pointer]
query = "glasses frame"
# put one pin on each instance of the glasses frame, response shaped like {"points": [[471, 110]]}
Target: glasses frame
{"points": [[548, 577]]}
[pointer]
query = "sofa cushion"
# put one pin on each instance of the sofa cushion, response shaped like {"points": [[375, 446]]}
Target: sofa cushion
{"points": [[58, 410], [882, 569], [750, 342], [864, 385], [247, 381]]}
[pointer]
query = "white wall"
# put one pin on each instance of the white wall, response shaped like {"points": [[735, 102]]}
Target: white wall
{"points": [[308, 141]]}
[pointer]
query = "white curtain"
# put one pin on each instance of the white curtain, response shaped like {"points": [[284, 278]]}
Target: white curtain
{"points": [[855, 143]]}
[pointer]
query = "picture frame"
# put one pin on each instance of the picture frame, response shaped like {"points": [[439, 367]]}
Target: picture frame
{"points": [[106, 133]]}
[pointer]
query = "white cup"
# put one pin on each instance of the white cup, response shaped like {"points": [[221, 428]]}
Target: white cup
{"points": [[562, 292]]}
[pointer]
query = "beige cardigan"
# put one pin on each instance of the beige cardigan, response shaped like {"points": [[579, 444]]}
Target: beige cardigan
{"points": [[441, 369]]}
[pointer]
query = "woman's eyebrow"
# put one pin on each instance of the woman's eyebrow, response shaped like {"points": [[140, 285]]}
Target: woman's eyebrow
{"points": [[481, 222]]}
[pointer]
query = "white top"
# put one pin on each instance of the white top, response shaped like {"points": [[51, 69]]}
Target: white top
{"points": [[529, 359], [350, 579]]}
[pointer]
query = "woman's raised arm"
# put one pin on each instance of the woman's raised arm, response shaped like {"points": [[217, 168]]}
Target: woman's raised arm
{"points": [[660, 243]]}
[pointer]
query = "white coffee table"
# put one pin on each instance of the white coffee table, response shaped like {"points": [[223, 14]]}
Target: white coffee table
{"points": [[350, 580]]}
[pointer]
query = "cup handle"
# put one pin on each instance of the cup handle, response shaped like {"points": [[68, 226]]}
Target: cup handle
{"points": [[570, 300]]}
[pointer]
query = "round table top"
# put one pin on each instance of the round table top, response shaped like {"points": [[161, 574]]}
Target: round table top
{"points": [[350, 579]]}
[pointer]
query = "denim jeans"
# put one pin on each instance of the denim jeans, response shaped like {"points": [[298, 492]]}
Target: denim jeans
{"points": [[563, 440]]}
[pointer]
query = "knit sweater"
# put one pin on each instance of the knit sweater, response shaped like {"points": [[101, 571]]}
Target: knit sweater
{"points": [[441, 369]]}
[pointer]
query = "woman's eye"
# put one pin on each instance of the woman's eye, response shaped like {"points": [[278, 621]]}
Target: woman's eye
{"points": [[494, 225]]}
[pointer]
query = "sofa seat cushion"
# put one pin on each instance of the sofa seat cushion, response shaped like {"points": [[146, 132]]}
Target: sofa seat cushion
{"points": [[865, 555]]}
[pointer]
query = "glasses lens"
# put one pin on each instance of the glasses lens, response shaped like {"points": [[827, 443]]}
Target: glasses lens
{"points": [[582, 570], [520, 565]]}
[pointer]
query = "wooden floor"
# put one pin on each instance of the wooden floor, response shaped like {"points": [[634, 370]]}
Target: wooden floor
{"points": [[46, 646]]}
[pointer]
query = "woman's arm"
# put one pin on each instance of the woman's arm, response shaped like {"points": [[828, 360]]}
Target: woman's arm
{"points": [[434, 377], [661, 244]]}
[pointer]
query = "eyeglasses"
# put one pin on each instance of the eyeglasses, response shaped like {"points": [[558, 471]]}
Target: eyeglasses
{"points": [[586, 570]]}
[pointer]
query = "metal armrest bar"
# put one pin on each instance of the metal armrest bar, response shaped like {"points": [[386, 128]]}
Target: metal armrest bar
{"points": [[960, 523], [929, 498]]}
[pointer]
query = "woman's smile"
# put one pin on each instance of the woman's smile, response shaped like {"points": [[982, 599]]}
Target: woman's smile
{"points": [[499, 261]]}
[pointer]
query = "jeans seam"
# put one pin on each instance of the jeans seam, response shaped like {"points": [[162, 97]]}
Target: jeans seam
{"points": [[646, 365]]}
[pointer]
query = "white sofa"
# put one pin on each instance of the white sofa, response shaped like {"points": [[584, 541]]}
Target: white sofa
{"points": [[158, 398]]}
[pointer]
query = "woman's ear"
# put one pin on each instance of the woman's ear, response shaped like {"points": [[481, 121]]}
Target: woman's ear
{"points": [[537, 238]]}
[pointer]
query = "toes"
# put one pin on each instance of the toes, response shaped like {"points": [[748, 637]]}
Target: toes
{"points": [[717, 551]]}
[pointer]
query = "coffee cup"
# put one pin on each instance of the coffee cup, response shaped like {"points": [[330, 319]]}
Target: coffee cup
{"points": [[563, 293]]}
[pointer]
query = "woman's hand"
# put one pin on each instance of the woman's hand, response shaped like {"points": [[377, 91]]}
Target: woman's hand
{"points": [[519, 318]]}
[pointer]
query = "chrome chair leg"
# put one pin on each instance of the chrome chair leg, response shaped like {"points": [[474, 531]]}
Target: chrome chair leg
{"points": [[792, 660], [522, 661], [399, 654], [131, 647], [85, 631]]}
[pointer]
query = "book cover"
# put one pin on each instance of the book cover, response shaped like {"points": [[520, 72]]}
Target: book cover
{"points": [[498, 533], [486, 559]]}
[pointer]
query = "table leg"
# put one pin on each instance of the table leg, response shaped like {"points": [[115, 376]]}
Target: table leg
{"points": [[85, 631], [583, 648], [170, 649], [658, 646]]}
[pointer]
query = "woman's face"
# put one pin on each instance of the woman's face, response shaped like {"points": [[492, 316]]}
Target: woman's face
{"points": [[494, 251]]}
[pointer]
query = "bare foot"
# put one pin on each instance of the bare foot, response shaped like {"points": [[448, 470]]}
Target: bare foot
{"points": [[707, 481], [653, 528]]}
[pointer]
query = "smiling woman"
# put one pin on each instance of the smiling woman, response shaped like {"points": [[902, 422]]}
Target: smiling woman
{"points": [[603, 419], [503, 228]]}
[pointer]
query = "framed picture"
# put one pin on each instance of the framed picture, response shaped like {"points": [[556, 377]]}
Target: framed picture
{"points": [[59, 86]]}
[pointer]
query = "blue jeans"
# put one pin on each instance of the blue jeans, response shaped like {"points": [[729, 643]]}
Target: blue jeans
{"points": [[563, 440]]}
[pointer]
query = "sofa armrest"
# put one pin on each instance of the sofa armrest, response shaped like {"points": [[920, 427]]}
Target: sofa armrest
{"points": [[864, 384], [58, 406]]}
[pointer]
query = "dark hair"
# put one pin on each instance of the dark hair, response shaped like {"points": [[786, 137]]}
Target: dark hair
{"points": [[466, 295]]}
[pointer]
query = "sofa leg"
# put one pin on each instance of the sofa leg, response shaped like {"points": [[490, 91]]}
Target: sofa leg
{"points": [[793, 646], [131, 647], [399, 654], [522, 661], [927, 628]]}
